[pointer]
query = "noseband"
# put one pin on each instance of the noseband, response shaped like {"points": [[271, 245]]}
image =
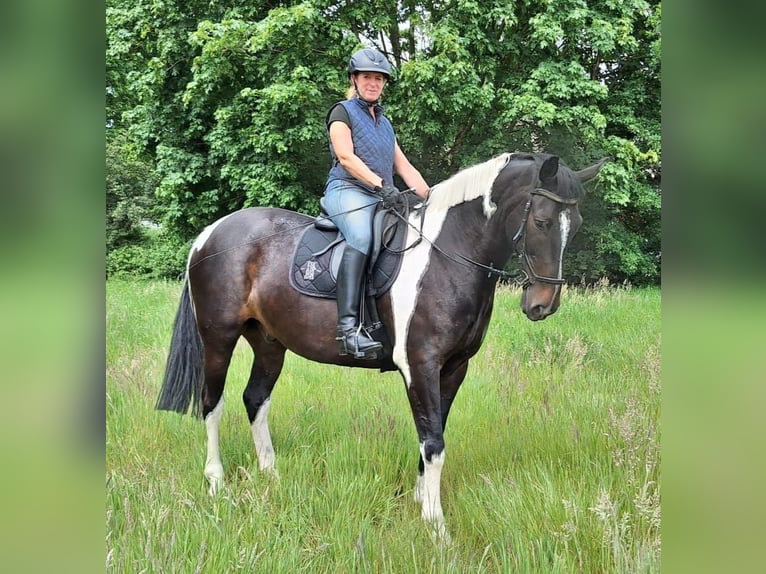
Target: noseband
{"points": [[527, 275]]}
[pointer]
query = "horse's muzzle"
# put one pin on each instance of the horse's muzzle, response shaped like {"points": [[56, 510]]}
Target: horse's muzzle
{"points": [[540, 301]]}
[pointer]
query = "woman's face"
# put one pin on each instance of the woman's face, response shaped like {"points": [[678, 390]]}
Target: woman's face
{"points": [[369, 85]]}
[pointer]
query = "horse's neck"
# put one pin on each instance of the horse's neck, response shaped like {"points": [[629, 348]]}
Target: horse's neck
{"points": [[472, 246], [485, 239]]}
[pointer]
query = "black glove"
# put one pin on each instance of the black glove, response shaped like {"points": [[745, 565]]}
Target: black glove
{"points": [[390, 194], [387, 190]]}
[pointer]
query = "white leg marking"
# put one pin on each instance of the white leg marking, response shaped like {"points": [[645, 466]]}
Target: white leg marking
{"points": [[429, 486], [262, 438], [213, 465], [417, 493]]}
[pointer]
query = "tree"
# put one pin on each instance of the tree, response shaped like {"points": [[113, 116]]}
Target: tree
{"points": [[130, 185], [229, 100], [579, 80]]}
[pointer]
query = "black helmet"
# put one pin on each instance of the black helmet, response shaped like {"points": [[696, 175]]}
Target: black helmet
{"points": [[369, 60]]}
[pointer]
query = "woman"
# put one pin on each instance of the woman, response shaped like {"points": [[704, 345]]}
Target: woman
{"points": [[365, 156]]}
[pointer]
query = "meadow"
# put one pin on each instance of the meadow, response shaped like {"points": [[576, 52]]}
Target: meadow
{"points": [[552, 453]]}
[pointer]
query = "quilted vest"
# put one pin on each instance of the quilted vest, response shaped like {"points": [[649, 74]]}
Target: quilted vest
{"points": [[374, 142]]}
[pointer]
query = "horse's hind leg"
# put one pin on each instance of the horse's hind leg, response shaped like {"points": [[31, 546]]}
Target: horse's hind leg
{"points": [[217, 358], [267, 365]]}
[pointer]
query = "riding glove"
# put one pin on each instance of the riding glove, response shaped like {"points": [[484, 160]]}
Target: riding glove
{"points": [[390, 194]]}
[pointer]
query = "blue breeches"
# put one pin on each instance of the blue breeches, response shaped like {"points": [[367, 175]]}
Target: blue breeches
{"points": [[352, 210]]}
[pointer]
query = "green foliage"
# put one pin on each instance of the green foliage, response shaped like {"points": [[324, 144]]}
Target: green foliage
{"points": [[156, 257], [229, 101], [552, 458], [130, 185]]}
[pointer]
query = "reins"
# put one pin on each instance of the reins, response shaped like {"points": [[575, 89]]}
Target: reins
{"points": [[522, 277], [466, 262]]}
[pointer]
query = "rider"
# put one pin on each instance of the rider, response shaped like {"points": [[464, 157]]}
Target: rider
{"points": [[365, 155]]}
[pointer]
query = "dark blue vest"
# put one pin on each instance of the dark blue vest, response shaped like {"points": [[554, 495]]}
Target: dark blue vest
{"points": [[374, 142]]}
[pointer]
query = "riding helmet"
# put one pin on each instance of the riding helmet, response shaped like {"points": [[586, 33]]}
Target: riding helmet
{"points": [[369, 60]]}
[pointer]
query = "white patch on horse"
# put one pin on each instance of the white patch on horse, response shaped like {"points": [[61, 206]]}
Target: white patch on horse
{"points": [[471, 183], [564, 225], [203, 237], [488, 205], [198, 244], [262, 438], [213, 465], [428, 492]]}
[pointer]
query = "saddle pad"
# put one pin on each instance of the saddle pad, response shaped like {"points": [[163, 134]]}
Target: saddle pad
{"points": [[315, 267]]}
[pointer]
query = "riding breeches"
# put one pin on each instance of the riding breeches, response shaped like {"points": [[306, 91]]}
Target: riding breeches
{"points": [[351, 209]]}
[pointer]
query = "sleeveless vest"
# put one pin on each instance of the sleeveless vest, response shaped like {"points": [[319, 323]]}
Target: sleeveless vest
{"points": [[374, 142]]}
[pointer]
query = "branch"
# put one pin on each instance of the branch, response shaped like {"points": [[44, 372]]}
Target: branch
{"points": [[459, 140]]}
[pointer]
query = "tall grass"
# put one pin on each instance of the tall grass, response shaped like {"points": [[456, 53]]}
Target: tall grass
{"points": [[552, 459]]}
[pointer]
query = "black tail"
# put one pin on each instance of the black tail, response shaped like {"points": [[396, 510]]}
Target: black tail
{"points": [[184, 369]]}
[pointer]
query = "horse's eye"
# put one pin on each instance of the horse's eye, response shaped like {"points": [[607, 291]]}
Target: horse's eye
{"points": [[542, 224]]}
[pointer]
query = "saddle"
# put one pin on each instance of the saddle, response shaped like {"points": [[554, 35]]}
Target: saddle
{"points": [[317, 257], [320, 248]]}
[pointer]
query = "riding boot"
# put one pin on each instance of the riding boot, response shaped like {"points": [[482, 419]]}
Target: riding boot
{"points": [[351, 337]]}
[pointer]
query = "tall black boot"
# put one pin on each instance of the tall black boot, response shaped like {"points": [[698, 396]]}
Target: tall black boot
{"points": [[351, 337]]}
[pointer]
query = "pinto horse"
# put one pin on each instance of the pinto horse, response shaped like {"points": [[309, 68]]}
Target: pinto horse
{"points": [[436, 312]]}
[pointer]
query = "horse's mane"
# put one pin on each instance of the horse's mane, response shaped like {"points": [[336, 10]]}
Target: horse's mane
{"points": [[470, 183], [476, 181]]}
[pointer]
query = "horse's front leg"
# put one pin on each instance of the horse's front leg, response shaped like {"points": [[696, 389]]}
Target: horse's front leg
{"points": [[426, 491], [423, 394]]}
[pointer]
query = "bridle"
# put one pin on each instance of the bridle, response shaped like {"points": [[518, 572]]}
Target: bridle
{"points": [[527, 275]]}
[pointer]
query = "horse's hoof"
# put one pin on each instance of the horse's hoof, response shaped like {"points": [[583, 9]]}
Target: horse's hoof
{"points": [[439, 534], [214, 475], [271, 472], [215, 486]]}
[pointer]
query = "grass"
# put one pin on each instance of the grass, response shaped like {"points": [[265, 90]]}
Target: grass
{"points": [[552, 460]]}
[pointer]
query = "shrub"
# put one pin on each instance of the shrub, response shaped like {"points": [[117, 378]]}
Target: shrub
{"points": [[157, 257]]}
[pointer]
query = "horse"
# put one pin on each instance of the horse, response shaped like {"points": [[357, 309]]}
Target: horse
{"points": [[436, 313]]}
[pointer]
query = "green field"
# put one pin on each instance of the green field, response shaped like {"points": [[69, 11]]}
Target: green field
{"points": [[552, 457]]}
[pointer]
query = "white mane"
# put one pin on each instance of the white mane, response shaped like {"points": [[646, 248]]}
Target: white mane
{"points": [[470, 183]]}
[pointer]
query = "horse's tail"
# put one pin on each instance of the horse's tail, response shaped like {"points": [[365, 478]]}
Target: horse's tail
{"points": [[184, 368]]}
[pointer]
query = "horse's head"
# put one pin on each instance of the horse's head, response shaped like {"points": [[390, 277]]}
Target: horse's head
{"points": [[551, 218]]}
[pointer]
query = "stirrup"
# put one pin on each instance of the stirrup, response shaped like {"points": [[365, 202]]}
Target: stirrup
{"points": [[344, 349]]}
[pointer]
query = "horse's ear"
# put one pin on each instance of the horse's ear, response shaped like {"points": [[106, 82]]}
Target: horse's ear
{"points": [[549, 169], [589, 173]]}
